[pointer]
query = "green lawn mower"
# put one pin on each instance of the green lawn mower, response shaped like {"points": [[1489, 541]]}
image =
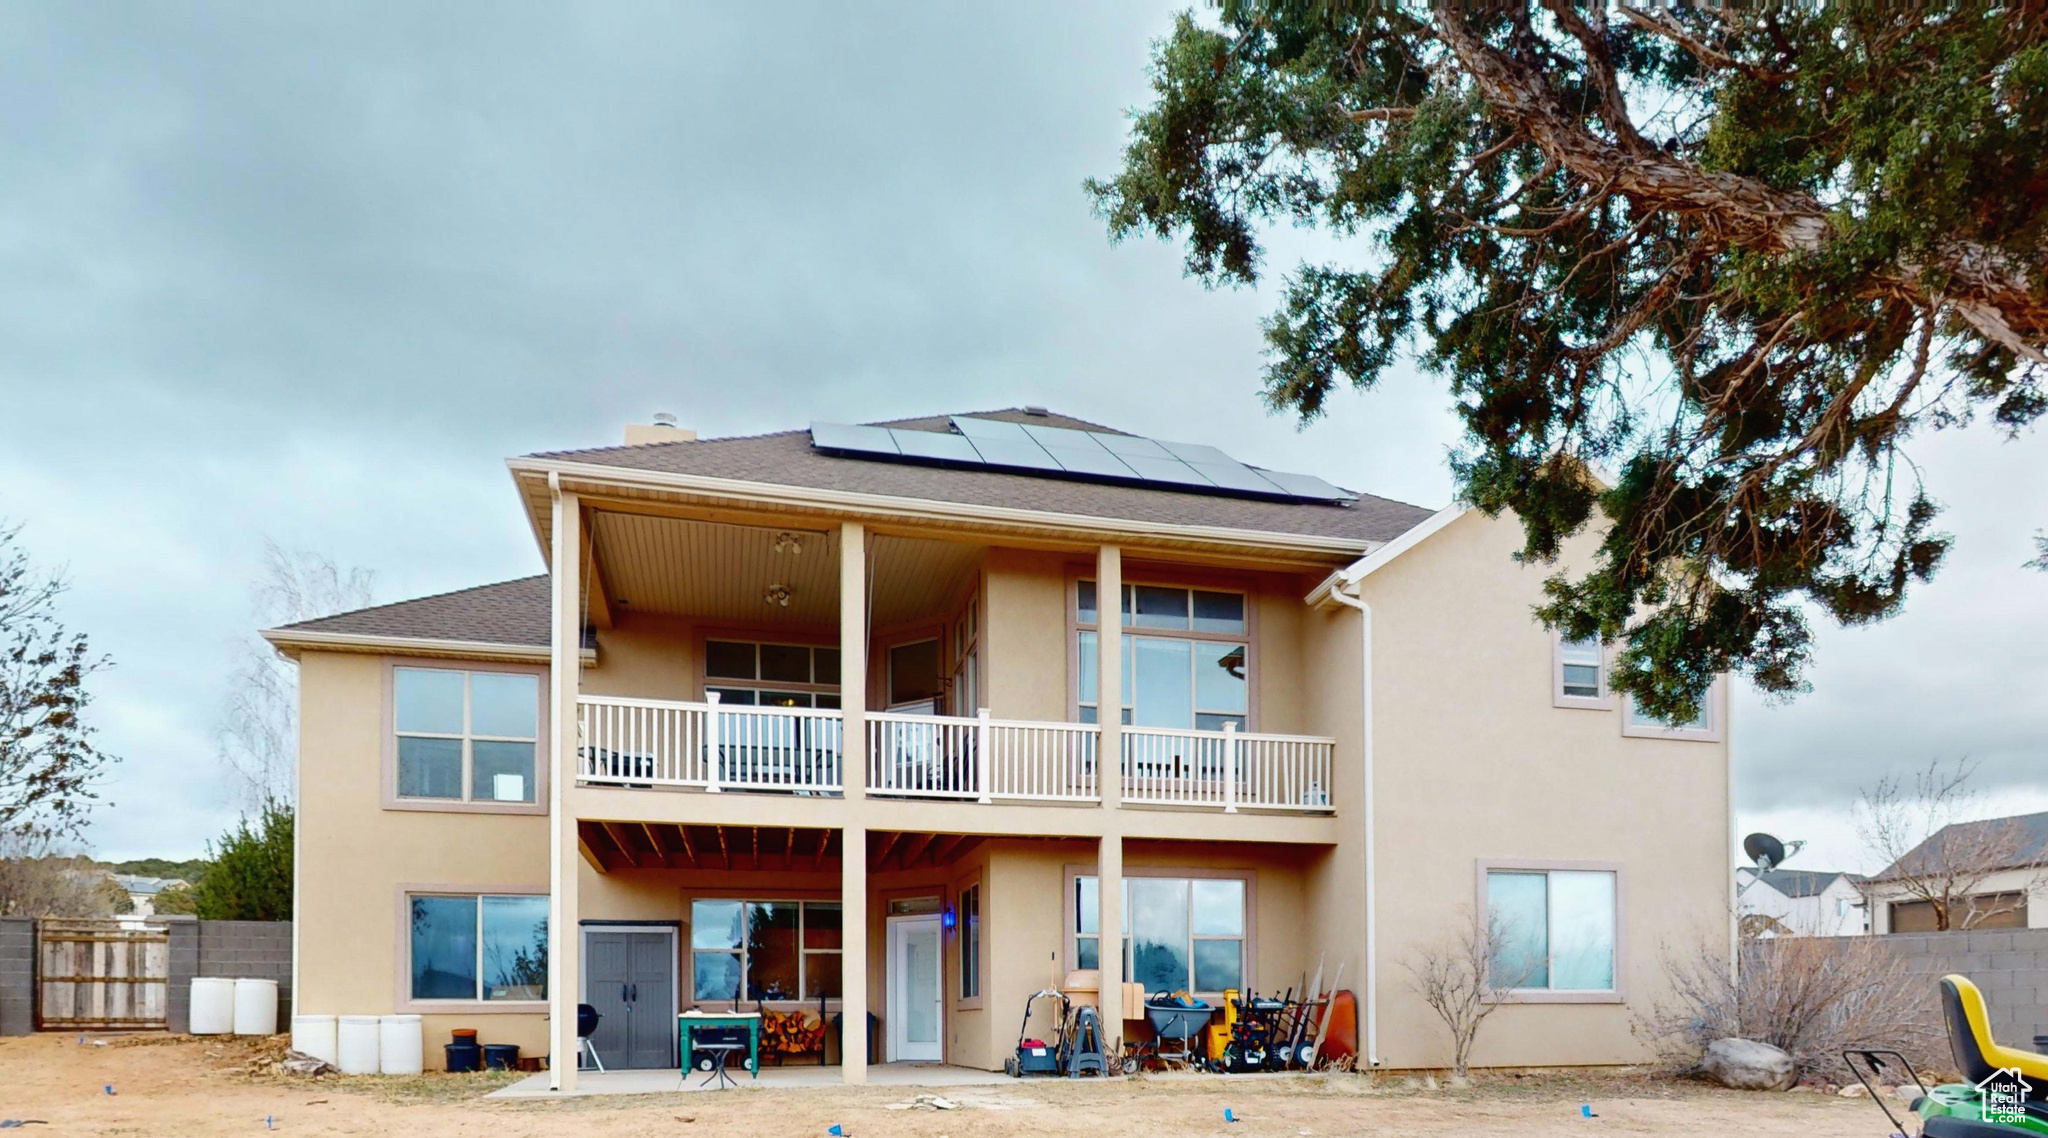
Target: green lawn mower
{"points": [[2006, 1095]]}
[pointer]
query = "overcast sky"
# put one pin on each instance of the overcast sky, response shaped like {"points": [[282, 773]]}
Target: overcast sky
{"points": [[312, 272]]}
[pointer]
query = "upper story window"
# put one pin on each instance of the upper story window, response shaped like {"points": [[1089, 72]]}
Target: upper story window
{"points": [[771, 675], [1186, 659], [914, 677], [1704, 727], [966, 689], [465, 736], [1579, 674]]}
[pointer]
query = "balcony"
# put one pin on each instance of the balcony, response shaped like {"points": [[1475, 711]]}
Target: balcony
{"points": [[715, 748]]}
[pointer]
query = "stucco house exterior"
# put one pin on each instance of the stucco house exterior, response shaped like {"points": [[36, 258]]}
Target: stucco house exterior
{"points": [[1795, 902], [811, 719]]}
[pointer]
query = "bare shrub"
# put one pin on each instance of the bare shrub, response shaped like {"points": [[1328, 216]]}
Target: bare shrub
{"points": [[1463, 977], [1808, 996]]}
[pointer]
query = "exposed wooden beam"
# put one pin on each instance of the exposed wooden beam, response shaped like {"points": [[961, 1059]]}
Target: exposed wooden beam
{"points": [[789, 848], [654, 839], [913, 849], [612, 831], [754, 835], [946, 842], [724, 850], [967, 846], [687, 847], [882, 855], [818, 858], [589, 854]]}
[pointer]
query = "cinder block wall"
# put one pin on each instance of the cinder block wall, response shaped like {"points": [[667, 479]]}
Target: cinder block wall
{"points": [[2009, 965], [17, 975], [234, 950]]}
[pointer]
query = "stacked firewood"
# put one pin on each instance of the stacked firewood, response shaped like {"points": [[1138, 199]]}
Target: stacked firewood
{"points": [[792, 1033]]}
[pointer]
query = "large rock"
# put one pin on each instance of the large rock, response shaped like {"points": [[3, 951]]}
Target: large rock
{"points": [[1747, 1065]]}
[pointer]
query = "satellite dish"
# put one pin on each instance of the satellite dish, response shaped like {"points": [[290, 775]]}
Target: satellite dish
{"points": [[1765, 850]]}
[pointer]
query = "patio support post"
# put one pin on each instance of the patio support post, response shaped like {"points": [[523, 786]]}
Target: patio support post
{"points": [[1109, 880], [564, 964], [853, 668], [1109, 765], [853, 954], [1109, 671]]}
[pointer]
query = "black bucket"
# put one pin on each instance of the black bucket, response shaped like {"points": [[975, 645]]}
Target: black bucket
{"points": [[501, 1056], [464, 1056]]}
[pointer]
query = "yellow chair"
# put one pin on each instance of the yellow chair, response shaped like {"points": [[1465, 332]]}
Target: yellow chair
{"points": [[1977, 1054]]}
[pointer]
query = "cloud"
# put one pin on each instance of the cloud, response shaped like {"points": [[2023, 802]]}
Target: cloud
{"points": [[313, 272]]}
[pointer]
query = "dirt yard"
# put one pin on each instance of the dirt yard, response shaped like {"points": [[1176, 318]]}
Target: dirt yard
{"points": [[167, 1085]]}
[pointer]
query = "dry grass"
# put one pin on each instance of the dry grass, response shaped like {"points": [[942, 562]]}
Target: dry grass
{"points": [[184, 1086]]}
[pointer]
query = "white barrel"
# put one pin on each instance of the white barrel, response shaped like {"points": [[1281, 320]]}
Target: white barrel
{"points": [[314, 1035], [398, 1038], [355, 1044], [255, 1007], [213, 1006]]}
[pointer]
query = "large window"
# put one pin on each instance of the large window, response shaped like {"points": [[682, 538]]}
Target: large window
{"points": [[966, 693], [969, 918], [466, 736], [468, 946], [1555, 929], [914, 677], [1185, 657], [1180, 933], [764, 950], [1703, 727], [771, 675]]}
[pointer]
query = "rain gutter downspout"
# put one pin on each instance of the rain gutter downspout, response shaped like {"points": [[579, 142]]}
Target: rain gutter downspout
{"points": [[1372, 916]]}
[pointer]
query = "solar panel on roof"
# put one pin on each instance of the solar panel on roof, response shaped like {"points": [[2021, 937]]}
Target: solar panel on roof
{"points": [[1020, 451], [846, 436], [1306, 486], [1236, 476], [1047, 450], [1131, 444], [936, 445]]}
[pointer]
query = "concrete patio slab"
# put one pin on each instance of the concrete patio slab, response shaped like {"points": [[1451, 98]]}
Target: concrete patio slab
{"points": [[670, 1080]]}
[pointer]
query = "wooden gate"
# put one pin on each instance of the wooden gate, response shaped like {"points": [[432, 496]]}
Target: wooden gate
{"points": [[97, 975]]}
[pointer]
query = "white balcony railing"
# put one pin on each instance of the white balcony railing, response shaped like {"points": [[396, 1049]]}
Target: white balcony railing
{"points": [[1228, 768], [983, 759], [640, 742], [716, 747]]}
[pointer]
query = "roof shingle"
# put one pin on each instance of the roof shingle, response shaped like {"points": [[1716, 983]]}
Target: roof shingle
{"points": [[510, 612], [786, 458]]}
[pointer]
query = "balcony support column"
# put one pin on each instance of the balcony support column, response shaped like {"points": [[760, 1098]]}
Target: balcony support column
{"points": [[853, 954], [853, 664], [1109, 765], [564, 680]]}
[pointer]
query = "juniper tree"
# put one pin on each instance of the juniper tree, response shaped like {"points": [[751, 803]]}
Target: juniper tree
{"points": [[1728, 260]]}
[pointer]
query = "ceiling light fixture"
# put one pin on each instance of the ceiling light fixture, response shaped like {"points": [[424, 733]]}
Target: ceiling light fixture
{"points": [[787, 542], [779, 595]]}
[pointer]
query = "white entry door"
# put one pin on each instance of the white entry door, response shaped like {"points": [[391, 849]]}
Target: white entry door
{"points": [[917, 990]]}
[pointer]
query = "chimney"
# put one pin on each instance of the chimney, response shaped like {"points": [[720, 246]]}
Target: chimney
{"points": [[662, 430]]}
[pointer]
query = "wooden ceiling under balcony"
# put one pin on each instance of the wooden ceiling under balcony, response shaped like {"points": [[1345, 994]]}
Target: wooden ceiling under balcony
{"points": [[723, 572], [665, 845]]}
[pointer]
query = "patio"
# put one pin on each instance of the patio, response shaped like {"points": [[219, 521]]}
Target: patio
{"points": [[669, 1080]]}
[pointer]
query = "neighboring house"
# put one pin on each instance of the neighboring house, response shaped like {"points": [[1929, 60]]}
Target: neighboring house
{"points": [[1792, 902], [1999, 865], [142, 891], [811, 718]]}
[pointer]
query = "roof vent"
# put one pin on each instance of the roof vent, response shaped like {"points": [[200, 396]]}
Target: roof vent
{"points": [[662, 430], [1038, 411]]}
